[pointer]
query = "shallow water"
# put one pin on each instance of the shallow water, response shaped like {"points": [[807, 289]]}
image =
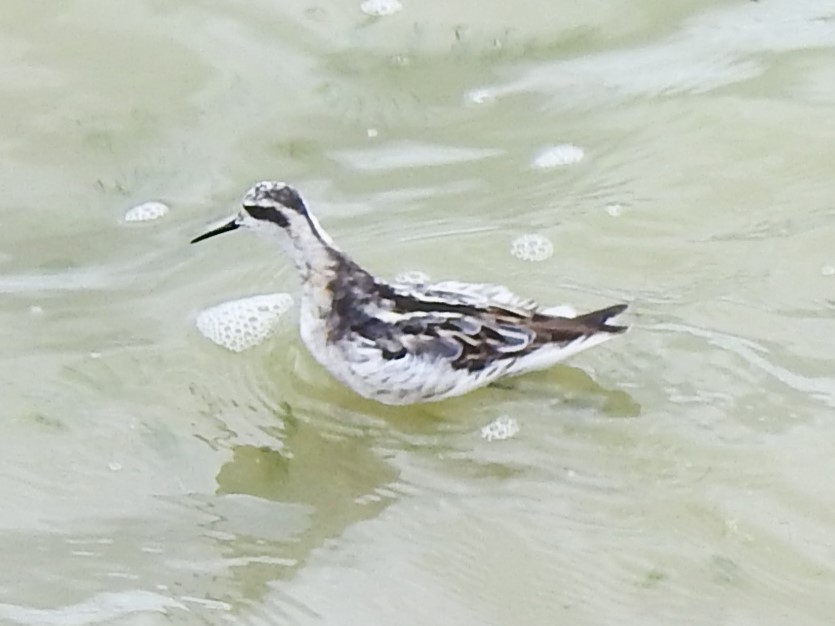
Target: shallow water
{"points": [[681, 474]]}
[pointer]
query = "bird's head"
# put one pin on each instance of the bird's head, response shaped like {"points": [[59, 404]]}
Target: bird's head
{"points": [[267, 208]]}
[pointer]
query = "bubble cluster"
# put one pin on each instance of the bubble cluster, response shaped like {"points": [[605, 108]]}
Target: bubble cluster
{"points": [[615, 209], [500, 428], [532, 247], [242, 324], [380, 8], [413, 277], [146, 212], [558, 156]]}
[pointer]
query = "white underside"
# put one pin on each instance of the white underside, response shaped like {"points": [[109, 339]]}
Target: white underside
{"points": [[415, 379]]}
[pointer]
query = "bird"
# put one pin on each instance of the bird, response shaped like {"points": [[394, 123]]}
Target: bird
{"points": [[403, 343]]}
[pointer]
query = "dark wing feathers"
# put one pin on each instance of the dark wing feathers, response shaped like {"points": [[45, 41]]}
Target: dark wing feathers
{"points": [[444, 347], [471, 329], [472, 337]]}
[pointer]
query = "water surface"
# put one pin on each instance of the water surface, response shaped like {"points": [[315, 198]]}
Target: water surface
{"points": [[678, 475]]}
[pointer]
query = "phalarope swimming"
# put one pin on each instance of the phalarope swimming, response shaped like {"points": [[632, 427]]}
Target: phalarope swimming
{"points": [[400, 343]]}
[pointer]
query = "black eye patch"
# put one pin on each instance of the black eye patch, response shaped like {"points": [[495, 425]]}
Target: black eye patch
{"points": [[268, 214]]}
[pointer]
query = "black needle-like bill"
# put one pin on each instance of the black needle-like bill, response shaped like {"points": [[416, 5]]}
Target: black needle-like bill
{"points": [[225, 228]]}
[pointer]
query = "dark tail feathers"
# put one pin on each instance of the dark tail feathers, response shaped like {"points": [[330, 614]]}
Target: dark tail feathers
{"points": [[597, 319]]}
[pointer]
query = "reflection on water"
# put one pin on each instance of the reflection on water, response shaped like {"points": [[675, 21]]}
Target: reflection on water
{"points": [[274, 508], [680, 474]]}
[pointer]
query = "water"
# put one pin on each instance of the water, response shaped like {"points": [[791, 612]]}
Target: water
{"points": [[681, 474]]}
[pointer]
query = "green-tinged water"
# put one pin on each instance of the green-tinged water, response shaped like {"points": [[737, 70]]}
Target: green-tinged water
{"points": [[681, 474]]}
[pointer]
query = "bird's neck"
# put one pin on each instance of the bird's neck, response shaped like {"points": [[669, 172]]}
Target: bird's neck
{"points": [[313, 251]]}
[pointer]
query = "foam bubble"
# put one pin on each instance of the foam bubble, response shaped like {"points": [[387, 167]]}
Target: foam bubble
{"points": [[242, 324], [380, 8], [615, 209], [532, 247], [558, 156], [372, 132], [500, 428], [828, 270], [146, 211], [414, 277]]}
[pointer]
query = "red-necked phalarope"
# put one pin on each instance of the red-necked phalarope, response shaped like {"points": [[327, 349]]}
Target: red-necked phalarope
{"points": [[407, 343]]}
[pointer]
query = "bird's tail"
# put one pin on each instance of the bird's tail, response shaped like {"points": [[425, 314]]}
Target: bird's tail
{"points": [[596, 321], [561, 337]]}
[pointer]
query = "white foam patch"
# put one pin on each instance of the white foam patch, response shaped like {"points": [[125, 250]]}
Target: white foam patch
{"points": [[146, 212], [828, 270], [500, 428], [242, 324], [558, 156], [532, 247], [615, 209], [413, 277], [380, 8]]}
